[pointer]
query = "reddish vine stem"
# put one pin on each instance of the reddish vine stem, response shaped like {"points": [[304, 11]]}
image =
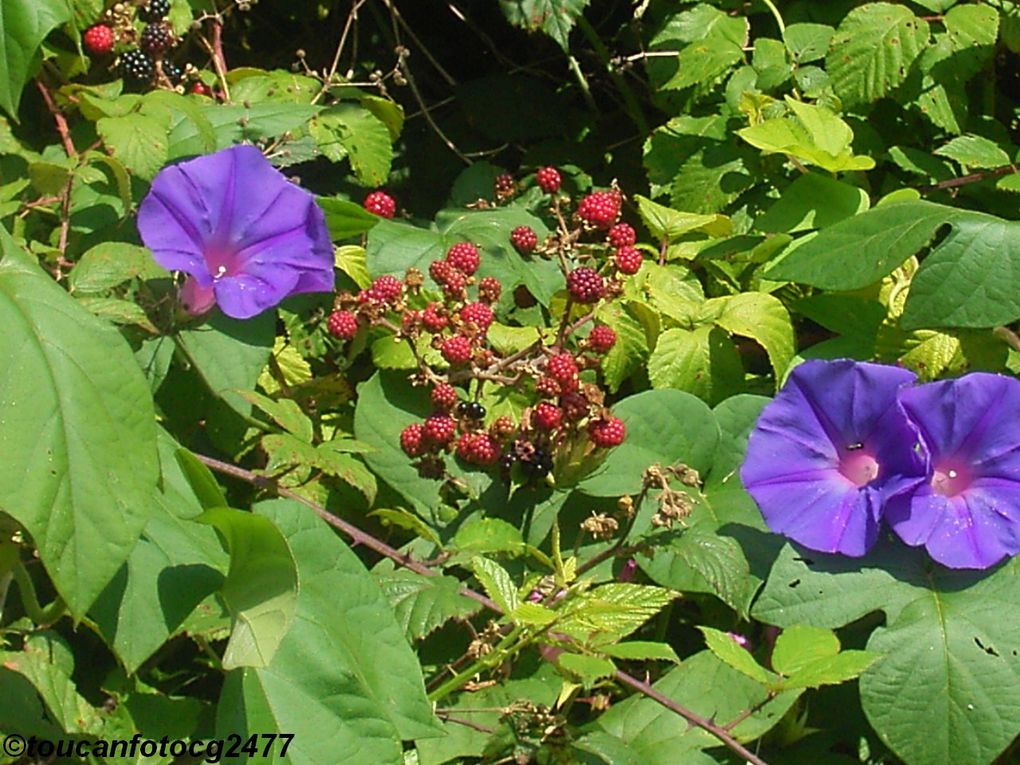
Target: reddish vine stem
{"points": [[965, 180], [59, 119], [694, 719], [361, 537]]}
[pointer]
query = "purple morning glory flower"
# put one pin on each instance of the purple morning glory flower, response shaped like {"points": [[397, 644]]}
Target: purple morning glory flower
{"points": [[245, 235], [828, 452], [968, 513]]}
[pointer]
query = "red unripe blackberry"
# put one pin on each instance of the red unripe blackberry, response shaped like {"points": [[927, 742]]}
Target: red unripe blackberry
{"points": [[156, 39], [478, 314], [199, 88], [524, 239], [98, 40], [342, 324], [562, 368], [547, 416], [433, 320], [621, 235], [502, 428], [601, 339], [600, 209], [585, 285], [547, 386], [412, 440], [455, 286], [464, 257], [575, 406], [439, 429], [504, 185], [380, 203], [444, 397], [628, 260], [478, 449], [607, 433], [440, 271], [489, 289], [386, 289], [456, 350], [548, 179]]}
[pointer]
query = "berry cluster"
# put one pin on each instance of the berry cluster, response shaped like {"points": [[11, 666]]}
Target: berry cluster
{"points": [[445, 317], [144, 40]]}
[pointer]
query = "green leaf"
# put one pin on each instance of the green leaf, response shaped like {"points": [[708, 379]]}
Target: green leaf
{"points": [[77, 431], [703, 62], [139, 141], [762, 318], [609, 613], [344, 678], [111, 263], [423, 604], [812, 201], [808, 42], [942, 692], [653, 438], [701, 561], [497, 583], [641, 650], [735, 655], [702, 361], [176, 564], [848, 665], [65, 707], [971, 279], [363, 138], [346, 219], [553, 17], [24, 24], [801, 645], [200, 480], [483, 536], [587, 668], [974, 151], [872, 50], [668, 224], [284, 412], [861, 250], [813, 134], [261, 589], [631, 348], [229, 354]]}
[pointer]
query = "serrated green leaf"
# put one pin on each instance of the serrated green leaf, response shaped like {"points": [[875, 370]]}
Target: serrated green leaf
{"points": [[423, 604], [974, 151], [533, 615], [735, 655], [139, 141], [361, 137], [873, 48], [587, 668], [669, 224], [553, 17], [406, 520], [801, 645], [641, 650], [762, 318], [111, 263], [807, 42], [497, 583], [77, 431], [848, 665], [630, 349], [608, 613], [701, 361], [351, 260]]}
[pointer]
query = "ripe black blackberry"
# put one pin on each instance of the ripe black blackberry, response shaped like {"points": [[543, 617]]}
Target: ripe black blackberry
{"points": [[137, 67], [173, 72], [472, 410], [156, 39], [154, 10], [539, 466]]}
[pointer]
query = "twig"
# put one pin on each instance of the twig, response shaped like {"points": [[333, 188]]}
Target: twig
{"points": [[351, 18], [964, 180], [428, 54], [694, 719], [446, 717]]}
